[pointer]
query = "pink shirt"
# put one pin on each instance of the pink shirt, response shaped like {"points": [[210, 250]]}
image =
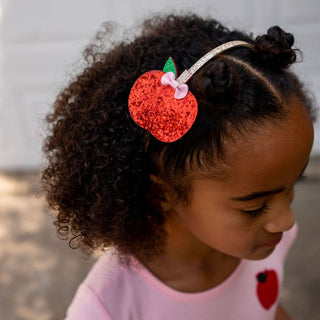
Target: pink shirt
{"points": [[111, 291]]}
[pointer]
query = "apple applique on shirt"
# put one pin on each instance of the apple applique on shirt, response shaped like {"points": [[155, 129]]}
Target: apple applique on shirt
{"points": [[267, 288]]}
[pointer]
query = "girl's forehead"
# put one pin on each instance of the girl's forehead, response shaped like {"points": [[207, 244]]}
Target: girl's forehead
{"points": [[272, 150]]}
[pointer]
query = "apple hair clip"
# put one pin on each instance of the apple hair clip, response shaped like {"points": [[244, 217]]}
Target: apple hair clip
{"points": [[162, 104]]}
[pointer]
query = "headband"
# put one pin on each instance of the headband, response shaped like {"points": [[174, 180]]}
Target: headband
{"points": [[162, 103]]}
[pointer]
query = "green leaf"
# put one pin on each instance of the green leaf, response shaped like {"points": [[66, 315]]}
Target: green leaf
{"points": [[170, 67]]}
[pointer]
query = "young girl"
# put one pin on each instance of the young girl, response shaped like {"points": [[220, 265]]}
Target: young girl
{"points": [[187, 178]]}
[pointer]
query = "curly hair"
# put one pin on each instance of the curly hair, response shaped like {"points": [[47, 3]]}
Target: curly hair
{"points": [[100, 164]]}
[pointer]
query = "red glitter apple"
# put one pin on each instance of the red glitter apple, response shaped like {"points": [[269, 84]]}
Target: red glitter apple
{"points": [[153, 106], [267, 288]]}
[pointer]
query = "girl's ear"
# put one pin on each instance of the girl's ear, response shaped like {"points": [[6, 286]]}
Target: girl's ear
{"points": [[168, 200]]}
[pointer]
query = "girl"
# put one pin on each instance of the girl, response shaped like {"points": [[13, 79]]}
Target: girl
{"points": [[187, 176]]}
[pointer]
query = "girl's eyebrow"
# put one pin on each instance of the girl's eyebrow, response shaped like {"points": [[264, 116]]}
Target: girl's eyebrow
{"points": [[260, 194]]}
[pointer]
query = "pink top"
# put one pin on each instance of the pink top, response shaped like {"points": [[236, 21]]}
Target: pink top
{"points": [[111, 291]]}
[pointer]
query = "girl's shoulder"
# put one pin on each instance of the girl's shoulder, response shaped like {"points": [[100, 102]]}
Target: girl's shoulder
{"points": [[104, 272], [104, 286]]}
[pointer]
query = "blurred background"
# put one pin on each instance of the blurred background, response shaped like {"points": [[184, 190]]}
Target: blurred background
{"points": [[41, 42]]}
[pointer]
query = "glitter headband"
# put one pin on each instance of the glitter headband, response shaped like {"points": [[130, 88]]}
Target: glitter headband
{"points": [[162, 104]]}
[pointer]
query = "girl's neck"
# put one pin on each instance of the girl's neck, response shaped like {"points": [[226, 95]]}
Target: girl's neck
{"points": [[187, 264]]}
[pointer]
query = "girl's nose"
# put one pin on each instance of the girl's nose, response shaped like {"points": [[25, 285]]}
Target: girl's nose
{"points": [[282, 220]]}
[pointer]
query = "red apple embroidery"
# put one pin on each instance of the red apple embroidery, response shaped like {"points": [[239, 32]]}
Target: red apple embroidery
{"points": [[267, 288], [153, 107]]}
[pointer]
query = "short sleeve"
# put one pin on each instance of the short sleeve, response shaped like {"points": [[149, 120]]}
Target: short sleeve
{"points": [[86, 305]]}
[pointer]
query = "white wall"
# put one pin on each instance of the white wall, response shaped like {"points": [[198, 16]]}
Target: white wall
{"points": [[41, 41]]}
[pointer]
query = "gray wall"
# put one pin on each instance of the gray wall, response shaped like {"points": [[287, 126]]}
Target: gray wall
{"points": [[41, 43]]}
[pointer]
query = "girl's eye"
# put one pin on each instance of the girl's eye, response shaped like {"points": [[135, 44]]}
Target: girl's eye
{"points": [[256, 212]]}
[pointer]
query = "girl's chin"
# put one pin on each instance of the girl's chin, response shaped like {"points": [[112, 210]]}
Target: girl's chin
{"points": [[261, 254]]}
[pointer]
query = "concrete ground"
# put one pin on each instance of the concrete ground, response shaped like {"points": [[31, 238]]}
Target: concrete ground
{"points": [[39, 273]]}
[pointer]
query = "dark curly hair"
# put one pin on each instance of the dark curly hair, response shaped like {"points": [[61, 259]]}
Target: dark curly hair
{"points": [[107, 178]]}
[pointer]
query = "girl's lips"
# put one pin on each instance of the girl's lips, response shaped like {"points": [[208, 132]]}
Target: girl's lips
{"points": [[273, 243]]}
